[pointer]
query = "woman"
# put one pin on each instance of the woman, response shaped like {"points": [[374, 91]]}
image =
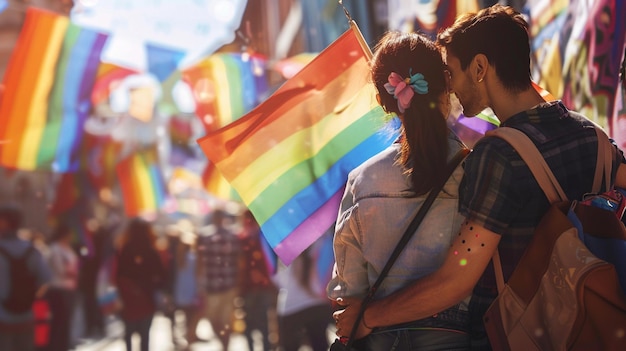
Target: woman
{"points": [[383, 195], [187, 295], [63, 263], [140, 274]]}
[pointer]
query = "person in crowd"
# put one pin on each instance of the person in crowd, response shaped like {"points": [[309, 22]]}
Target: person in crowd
{"points": [[257, 289], [139, 275], [63, 261], [304, 311], [91, 263], [17, 330], [186, 292], [488, 55], [219, 250], [384, 193]]}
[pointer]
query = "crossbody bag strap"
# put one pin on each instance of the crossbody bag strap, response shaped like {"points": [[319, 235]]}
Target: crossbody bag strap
{"points": [[411, 229]]}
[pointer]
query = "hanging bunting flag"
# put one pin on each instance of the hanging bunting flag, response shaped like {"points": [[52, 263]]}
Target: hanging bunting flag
{"points": [[48, 84], [142, 183], [288, 159], [162, 62]]}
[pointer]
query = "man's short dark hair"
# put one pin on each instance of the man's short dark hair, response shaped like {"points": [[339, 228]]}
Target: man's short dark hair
{"points": [[498, 32], [12, 215]]}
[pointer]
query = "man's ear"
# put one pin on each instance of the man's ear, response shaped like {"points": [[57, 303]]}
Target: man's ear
{"points": [[480, 65]]}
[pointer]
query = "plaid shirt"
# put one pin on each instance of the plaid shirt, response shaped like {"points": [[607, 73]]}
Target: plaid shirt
{"points": [[500, 192], [220, 254]]}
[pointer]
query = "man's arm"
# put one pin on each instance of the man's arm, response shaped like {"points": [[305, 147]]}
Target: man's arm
{"points": [[467, 258], [620, 178]]}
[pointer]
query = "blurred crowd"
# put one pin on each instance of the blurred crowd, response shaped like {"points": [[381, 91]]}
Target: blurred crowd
{"points": [[217, 270]]}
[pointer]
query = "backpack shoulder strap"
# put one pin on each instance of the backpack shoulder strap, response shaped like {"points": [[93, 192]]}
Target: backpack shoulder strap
{"points": [[7, 254], [535, 161], [604, 163]]}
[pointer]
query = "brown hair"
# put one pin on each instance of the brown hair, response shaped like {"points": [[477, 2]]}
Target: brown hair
{"points": [[424, 144], [138, 236], [498, 32]]}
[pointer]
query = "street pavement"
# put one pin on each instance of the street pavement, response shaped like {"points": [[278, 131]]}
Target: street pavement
{"points": [[161, 338]]}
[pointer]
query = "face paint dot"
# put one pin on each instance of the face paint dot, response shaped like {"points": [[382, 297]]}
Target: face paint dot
{"points": [[456, 252], [471, 228], [468, 250], [463, 241], [463, 262], [483, 244], [477, 235]]}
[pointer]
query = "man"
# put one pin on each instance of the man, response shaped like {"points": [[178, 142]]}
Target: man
{"points": [[220, 254], [17, 327], [256, 286], [488, 55]]}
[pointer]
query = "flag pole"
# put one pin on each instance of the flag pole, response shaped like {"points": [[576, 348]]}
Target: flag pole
{"points": [[366, 49]]}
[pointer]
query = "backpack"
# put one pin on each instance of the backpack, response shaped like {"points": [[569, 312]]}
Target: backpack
{"points": [[23, 283], [561, 296]]}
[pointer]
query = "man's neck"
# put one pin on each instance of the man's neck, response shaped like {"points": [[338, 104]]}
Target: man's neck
{"points": [[508, 104]]}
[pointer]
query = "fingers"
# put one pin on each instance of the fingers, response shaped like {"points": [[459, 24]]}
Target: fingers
{"points": [[345, 301]]}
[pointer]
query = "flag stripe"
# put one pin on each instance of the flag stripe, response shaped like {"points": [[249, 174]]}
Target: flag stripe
{"points": [[307, 232], [76, 84], [219, 78], [125, 175]]}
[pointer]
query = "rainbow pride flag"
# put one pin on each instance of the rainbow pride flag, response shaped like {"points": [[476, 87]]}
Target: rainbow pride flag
{"points": [[142, 183], [226, 86], [288, 159], [48, 84]]}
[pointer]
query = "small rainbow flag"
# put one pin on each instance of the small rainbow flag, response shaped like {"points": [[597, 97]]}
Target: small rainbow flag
{"points": [[142, 183], [289, 158], [47, 97], [226, 86]]}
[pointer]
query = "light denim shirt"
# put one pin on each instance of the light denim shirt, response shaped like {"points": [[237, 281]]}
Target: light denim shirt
{"points": [[377, 207]]}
